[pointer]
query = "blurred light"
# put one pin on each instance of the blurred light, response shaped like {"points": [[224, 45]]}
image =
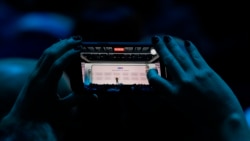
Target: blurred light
{"points": [[247, 114], [55, 24], [153, 51]]}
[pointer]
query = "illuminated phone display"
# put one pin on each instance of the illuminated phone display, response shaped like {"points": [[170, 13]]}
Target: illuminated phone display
{"points": [[111, 73], [123, 63]]}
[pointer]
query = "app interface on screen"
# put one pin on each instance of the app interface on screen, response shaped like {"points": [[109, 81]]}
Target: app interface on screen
{"points": [[127, 74]]}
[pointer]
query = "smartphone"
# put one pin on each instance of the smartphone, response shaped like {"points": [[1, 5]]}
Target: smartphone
{"points": [[117, 63]]}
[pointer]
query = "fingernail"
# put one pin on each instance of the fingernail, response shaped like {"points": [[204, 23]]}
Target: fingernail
{"points": [[155, 39], [166, 39], [78, 37], [186, 43]]}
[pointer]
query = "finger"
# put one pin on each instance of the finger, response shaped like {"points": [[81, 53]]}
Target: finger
{"points": [[58, 67], [196, 57], [69, 100], [181, 56], [158, 82], [52, 53], [174, 68]]}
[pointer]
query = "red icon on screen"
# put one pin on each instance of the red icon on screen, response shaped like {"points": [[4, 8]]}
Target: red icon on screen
{"points": [[119, 49]]}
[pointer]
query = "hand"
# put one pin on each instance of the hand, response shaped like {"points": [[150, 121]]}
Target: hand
{"points": [[38, 99], [195, 88]]}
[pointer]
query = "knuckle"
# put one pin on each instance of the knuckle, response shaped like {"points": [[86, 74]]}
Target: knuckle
{"points": [[187, 79], [57, 65], [208, 73], [50, 53], [199, 76], [182, 58], [204, 74]]}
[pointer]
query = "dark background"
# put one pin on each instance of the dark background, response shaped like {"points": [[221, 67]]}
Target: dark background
{"points": [[220, 30]]}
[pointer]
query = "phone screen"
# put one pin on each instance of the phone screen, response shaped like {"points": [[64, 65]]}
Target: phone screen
{"points": [[117, 73], [118, 63]]}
